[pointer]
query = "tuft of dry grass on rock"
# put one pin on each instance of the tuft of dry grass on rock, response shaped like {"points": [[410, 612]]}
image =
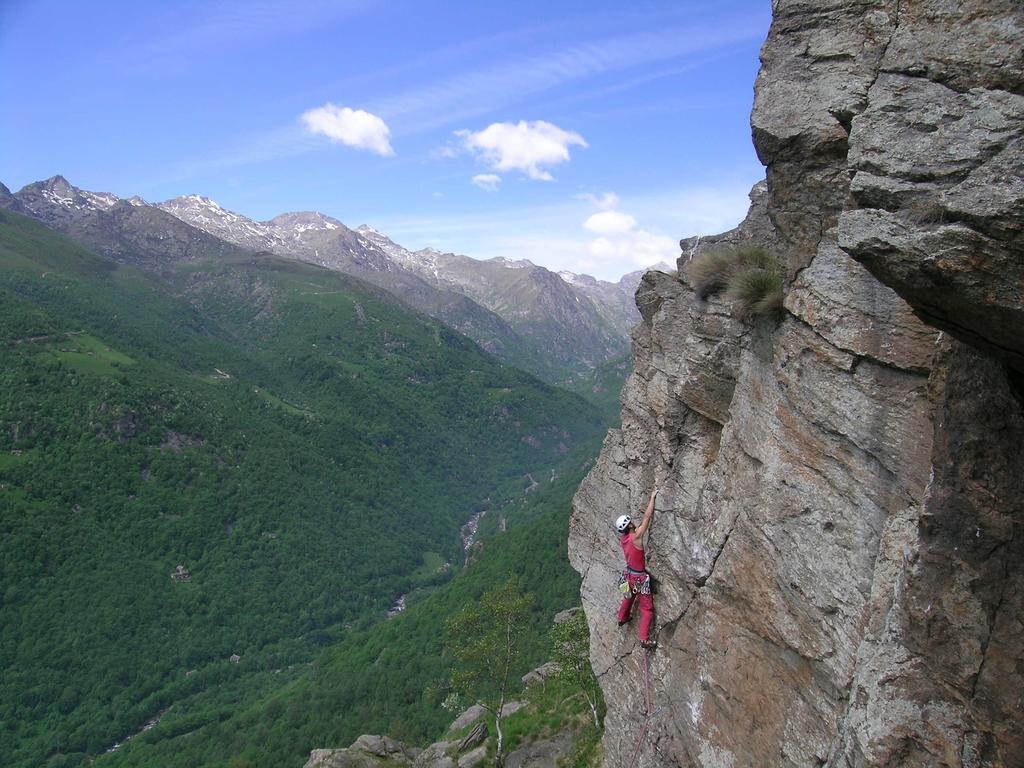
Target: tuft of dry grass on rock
{"points": [[710, 272], [756, 292], [750, 277], [754, 256]]}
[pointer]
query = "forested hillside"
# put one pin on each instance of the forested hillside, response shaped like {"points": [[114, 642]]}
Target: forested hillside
{"points": [[304, 446], [388, 678]]}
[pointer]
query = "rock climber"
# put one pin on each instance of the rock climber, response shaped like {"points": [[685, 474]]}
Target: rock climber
{"points": [[636, 581]]}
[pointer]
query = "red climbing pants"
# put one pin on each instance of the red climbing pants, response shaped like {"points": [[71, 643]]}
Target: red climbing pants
{"points": [[643, 600]]}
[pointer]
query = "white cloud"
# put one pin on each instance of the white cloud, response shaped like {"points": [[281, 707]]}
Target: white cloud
{"points": [[605, 202], [352, 127], [487, 181], [638, 247], [621, 242], [610, 223], [523, 146], [447, 152]]}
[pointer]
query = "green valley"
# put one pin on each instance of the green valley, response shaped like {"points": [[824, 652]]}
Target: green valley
{"points": [[386, 678], [301, 444]]}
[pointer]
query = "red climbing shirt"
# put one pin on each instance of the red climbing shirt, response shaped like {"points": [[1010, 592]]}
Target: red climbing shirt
{"points": [[635, 558]]}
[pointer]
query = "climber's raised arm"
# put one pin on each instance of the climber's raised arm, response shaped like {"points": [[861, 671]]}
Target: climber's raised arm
{"points": [[645, 523]]}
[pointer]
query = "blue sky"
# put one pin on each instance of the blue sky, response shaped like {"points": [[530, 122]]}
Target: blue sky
{"points": [[588, 136]]}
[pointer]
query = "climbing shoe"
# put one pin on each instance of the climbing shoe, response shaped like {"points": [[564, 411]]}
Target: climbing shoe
{"points": [[649, 644], [623, 622]]}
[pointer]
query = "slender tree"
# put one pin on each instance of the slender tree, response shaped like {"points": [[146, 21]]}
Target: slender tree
{"points": [[484, 639], [570, 650]]}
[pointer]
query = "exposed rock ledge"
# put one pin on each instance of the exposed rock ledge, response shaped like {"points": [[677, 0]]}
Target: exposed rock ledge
{"points": [[840, 579], [462, 746]]}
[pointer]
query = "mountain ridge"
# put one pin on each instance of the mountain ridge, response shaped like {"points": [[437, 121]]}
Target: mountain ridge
{"points": [[597, 314], [558, 326]]}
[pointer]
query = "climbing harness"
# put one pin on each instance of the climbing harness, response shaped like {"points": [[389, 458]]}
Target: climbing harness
{"points": [[648, 712], [639, 584]]}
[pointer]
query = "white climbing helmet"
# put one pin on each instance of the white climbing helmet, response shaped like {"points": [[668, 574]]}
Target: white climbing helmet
{"points": [[622, 523]]}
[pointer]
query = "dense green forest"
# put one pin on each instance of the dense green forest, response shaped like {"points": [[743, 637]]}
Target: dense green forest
{"points": [[302, 444], [602, 385], [387, 678]]}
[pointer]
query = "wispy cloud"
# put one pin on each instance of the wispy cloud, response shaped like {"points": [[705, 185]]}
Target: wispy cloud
{"points": [[603, 202], [468, 95], [461, 97], [488, 182], [290, 141], [244, 22], [605, 88], [637, 248]]}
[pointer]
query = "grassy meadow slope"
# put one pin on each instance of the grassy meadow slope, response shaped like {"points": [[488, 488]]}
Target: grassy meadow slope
{"points": [[304, 445]]}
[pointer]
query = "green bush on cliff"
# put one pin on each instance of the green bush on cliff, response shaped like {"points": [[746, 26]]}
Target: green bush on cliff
{"points": [[750, 277]]}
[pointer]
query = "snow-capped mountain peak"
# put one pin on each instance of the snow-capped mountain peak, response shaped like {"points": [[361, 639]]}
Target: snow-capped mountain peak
{"points": [[57, 200], [303, 221], [572, 278], [60, 191], [513, 263], [206, 214], [198, 201]]}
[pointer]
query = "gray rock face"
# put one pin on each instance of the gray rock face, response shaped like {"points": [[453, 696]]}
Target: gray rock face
{"points": [[437, 755], [834, 541], [474, 757], [366, 752], [544, 753], [541, 673], [9, 202], [939, 178], [467, 718]]}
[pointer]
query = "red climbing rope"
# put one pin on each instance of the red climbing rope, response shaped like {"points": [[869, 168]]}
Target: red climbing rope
{"points": [[647, 683], [648, 714]]}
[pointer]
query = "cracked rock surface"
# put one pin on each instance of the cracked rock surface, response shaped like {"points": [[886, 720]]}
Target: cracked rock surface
{"points": [[840, 579]]}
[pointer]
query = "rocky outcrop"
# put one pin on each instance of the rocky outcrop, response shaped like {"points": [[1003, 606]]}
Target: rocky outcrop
{"points": [[366, 752], [9, 202], [464, 746], [834, 543]]}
